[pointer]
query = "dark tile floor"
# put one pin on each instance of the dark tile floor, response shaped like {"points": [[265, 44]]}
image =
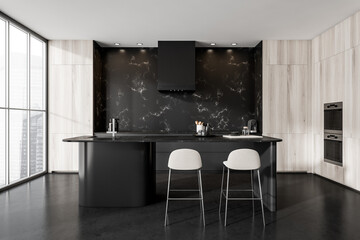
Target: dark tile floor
{"points": [[310, 207]]}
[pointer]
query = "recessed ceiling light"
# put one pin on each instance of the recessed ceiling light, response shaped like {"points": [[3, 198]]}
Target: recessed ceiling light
{"points": [[139, 44], [212, 44], [117, 44], [233, 44]]}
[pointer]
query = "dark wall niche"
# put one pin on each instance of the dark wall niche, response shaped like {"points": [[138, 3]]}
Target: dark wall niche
{"points": [[228, 91]]}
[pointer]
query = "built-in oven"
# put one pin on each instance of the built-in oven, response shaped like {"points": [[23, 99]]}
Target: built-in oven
{"points": [[333, 148], [333, 126]]}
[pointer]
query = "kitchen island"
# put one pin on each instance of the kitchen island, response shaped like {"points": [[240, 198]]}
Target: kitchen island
{"points": [[119, 170]]}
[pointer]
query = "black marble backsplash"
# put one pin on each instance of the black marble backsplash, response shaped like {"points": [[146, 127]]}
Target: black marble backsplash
{"points": [[226, 95]]}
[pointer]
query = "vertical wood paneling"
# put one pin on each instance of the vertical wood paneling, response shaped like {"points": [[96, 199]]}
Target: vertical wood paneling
{"points": [[297, 98], [297, 152], [60, 103], [351, 153], [70, 52], [82, 86], [355, 29], [275, 114], [348, 94], [327, 41], [298, 52], [276, 52], [337, 73], [343, 36], [317, 105], [70, 100], [315, 43], [286, 101]]}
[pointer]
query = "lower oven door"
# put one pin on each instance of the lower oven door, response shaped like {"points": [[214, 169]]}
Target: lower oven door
{"points": [[333, 148]]}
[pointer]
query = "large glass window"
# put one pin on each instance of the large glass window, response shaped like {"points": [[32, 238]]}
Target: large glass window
{"points": [[18, 68], [2, 148], [22, 103], [2, 63]]}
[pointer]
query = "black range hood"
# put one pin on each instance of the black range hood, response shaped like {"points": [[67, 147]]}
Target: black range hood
{"points": [[176, 66]]}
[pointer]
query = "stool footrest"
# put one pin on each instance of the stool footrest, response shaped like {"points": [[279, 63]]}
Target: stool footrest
{"points": [[243, 198], [184, 190], [190, 199]]}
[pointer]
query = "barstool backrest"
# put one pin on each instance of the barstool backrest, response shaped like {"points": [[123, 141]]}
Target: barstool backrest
{"points": [[185, 159], [243, 159]]}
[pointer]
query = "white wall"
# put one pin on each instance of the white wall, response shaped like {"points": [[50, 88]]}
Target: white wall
{"points": [[295, 88], [70, 100]]}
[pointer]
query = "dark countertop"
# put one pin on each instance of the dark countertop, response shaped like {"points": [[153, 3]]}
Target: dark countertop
{"points": [[163, 137]]}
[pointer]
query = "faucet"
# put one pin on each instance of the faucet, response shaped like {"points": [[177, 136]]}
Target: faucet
{"points": [[112, 126]]}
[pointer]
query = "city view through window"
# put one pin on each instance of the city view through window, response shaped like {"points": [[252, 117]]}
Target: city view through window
{"points": [[22, 104]]}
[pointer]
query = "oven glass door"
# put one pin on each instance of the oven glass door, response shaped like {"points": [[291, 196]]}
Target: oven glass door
{"points": [[333, 119], [333, 151]]}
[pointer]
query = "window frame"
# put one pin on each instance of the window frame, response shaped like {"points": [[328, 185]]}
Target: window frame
{"points": [[11, 22]]}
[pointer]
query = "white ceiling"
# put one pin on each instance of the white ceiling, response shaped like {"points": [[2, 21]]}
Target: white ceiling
{"points": [[128, 22]]}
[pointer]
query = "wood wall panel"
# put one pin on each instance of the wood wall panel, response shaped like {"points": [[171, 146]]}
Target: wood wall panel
{"points": [[356, 94], [60, 100], [298, 52], [348, 112], [315, 51], [327, 43], [286, 99], [355, 29], [343, 39], [82, 86], [317, 122], [297, 152], [277, 52], [336, 77], [275, 110], [65, 52], [70, 100], [297, 98]]}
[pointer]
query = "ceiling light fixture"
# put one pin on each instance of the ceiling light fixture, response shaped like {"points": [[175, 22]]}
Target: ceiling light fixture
{"points": [[139, 44], [233, 44], [117, 44], [212, 44]]}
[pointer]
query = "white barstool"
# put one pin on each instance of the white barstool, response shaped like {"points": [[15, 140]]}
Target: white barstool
{"points": [[240, 160], [185, 160]]}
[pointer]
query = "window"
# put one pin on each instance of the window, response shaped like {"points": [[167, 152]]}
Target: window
{"points": [[22, 103]]}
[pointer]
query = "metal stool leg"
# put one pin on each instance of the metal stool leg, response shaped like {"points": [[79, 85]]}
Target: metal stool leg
{"points": [[202, 197], [222, 189], [252, 191], [167, 198], [261, 199], [227, 195]]}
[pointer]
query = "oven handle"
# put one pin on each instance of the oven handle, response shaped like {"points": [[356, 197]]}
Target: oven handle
{"points": [[332, 136], [332, 105]]}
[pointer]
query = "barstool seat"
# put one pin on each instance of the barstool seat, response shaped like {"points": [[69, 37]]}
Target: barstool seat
{"points": [[185, 160], [241, 160]]}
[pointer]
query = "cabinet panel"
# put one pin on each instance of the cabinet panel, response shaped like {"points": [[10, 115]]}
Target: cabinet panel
{"points": [[343, 36], [298, 52], [327, 43], [82, 100], [60, 99], [355, 29], [276, 51], [275, 110], [297, 98], [348, 94]]}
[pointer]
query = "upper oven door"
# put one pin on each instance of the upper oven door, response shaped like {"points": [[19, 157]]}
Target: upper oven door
{"points": [[333, 117]]}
